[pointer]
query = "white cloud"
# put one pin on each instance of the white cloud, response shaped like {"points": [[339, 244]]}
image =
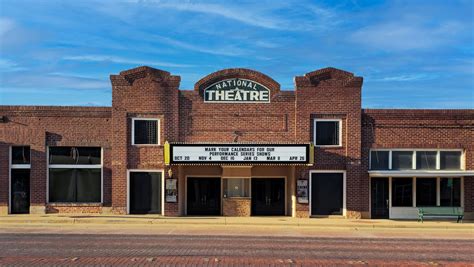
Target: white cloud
{"points": [[407, 35], [6, 25], [405, 77], [51, 81], [224, 50], [116, 59], [245, 15], [7, 65]]}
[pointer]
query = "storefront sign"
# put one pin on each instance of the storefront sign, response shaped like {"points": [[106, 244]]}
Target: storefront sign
{"points": [[302, 191], [237, 90], [239, 154], [171, 191]]}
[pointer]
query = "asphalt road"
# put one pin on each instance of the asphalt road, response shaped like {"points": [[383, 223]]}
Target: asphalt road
{"points": [[228, 250]]}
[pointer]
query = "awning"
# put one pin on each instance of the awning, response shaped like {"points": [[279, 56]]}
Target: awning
{"points": [[410, 173]]}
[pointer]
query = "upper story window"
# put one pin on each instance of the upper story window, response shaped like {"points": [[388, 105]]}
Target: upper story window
{"points": [[145, 131], [403, 159], [379, 160], [327, 132], [450, 160], [20, 155]]}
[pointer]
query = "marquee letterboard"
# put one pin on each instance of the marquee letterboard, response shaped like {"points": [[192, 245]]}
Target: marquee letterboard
{"points": [[239, 154]]}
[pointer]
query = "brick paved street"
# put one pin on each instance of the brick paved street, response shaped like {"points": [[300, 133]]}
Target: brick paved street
{"points": [[230, 246]]}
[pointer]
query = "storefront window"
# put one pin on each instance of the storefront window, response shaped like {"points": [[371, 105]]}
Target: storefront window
{"points": [[80, 183], [20, 155], [402, 160], [145, 131], [236, 187], [450, 160], [425, 192], [402, 192], [426, 160], [450, 192], [379, 160], [74, 185]]}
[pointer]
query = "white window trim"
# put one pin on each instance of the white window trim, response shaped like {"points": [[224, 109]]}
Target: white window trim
{"points": [[158, 139], [15, 167], [163, 180], [415, 150], [79, 166], [344, 188], [340, 132]]}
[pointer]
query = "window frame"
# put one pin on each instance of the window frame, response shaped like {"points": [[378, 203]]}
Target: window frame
{"points": [[315, 122], [15, 167], [414, 163], [163, 187], [79, 166], [158, 129], [248, 189]]}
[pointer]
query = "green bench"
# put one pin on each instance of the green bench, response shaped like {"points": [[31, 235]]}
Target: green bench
{"points": [[440, 212]]}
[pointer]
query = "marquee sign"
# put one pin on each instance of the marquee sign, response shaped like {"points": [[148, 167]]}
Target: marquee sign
{"points": [[238, 154], [237, 90]]}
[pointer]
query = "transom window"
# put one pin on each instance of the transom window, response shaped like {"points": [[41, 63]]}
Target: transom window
{"points": [[327, 132], [386, 159], [145, 131], [20, 155]]}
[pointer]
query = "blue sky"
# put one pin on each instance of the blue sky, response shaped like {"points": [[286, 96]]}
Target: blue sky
{"points": [[412, 54]]}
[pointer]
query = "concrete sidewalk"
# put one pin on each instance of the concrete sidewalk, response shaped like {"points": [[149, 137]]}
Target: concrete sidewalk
{"points": [[260, 221]]}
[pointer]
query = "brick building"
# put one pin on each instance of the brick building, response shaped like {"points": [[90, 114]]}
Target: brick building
{"points": [[236, 145]]}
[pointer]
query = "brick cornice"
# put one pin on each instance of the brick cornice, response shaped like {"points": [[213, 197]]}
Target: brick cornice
{"points": [[128, 77], [329, 75]]}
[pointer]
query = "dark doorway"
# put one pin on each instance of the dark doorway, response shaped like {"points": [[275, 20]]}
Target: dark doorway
{"points": [[145, 192], [20, 191], [379, 198], [204, 196], [327, 193], [268, 196]]}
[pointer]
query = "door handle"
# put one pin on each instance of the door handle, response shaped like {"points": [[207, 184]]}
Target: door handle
{"points": [[386, 201]]}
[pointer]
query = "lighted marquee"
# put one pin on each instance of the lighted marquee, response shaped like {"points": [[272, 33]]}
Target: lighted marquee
{"points": [[239, 153]]}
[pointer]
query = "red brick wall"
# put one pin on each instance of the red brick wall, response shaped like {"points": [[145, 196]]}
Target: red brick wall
{"points": [[141, 93], [44, 126], [184, 117], [448, 129]]}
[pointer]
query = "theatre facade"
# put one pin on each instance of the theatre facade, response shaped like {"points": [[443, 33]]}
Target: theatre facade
{"points": [[235, 145]]}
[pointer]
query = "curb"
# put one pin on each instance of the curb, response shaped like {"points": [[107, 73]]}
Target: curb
{"points": [[86, 221]]}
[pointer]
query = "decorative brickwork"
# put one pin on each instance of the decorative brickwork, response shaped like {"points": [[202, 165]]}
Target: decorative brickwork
{"points": [[184, 117]]}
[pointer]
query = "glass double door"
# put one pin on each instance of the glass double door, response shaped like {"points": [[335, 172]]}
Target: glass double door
{"points": [[203, 196], [268, 196]]}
